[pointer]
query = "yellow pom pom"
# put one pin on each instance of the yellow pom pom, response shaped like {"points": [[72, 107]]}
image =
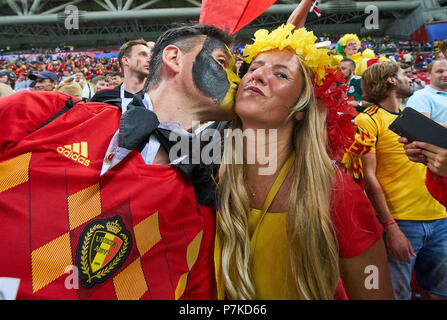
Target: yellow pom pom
{"points": [[301, 41], [349, 37]]}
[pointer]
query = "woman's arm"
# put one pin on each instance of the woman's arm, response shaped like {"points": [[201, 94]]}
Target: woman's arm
{"points": [[367, 276]]}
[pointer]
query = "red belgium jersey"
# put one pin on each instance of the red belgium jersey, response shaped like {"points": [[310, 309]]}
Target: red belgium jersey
{"points": [[67, 233]]}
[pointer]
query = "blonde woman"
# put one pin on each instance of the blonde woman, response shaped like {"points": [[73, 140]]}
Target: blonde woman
{"points": [[293, 234]]}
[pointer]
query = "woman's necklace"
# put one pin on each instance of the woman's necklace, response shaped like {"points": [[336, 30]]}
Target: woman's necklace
{"points": [[252, 192]]}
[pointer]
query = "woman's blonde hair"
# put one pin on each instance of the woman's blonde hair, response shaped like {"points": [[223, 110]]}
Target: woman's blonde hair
{"points": [[313, 249]]}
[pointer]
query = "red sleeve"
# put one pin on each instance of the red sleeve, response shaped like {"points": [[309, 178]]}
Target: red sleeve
{"points": [[437, 186], [23, 112], [354, 221]]}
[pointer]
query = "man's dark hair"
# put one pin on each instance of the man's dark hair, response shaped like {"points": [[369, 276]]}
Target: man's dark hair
{"points": [[96, 79], [350, 61], [404, 66], [183, 38]]}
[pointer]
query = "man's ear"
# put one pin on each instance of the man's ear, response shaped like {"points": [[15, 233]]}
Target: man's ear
{"points": [[124, 59], [392, 80], [172, 58]]}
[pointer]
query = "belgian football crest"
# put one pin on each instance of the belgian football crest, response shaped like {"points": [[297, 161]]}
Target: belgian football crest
{"points": [[103, 247]]}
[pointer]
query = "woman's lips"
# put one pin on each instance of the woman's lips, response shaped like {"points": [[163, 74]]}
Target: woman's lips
{"points": [[255, 91]]}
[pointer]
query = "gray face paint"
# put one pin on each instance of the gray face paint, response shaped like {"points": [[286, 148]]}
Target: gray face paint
{"points": [[209, 76]]}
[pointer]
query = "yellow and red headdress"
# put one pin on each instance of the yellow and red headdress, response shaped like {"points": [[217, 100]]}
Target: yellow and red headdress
{"points": [[327, 80]]}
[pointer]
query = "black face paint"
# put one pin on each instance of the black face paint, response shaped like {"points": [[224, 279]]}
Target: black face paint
{"points": [[209, 76]]}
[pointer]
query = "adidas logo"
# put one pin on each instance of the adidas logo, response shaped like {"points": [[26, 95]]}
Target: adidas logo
{"points": [[77, 152]]}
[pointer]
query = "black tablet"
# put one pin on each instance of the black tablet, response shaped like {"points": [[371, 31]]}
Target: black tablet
{"points": [[415, 126]]}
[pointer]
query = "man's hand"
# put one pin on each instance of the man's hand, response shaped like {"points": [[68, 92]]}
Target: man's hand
{"points": [[398, 244]]}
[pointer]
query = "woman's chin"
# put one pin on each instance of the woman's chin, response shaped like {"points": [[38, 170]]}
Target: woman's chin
{"points": [[248, 112]]}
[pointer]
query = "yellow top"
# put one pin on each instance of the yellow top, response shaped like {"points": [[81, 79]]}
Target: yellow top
{"points": [[402, 180], [269, 249]]}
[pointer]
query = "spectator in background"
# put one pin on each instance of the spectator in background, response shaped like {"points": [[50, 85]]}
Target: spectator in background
{"points": [[396, 188], [432, 100], [443, 48], [116, 79], [400, 57], [32, 86], [99, 83], [5, 90], [239, 63], [108, 76], [8, 77], [416, 83], [22, 83], [65, 75], [45, 80], [408, 58], [420, 60], [347, 67], [134, 58], [87, 92]]}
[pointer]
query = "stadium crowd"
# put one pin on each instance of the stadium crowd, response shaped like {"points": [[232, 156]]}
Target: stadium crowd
{"points": [[99, 73]]}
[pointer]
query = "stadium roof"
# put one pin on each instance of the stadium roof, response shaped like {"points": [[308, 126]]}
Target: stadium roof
{"points": [[43, 23]]}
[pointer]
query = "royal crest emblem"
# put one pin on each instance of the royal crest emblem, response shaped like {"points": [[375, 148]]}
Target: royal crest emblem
{"points": [[103, 247]]}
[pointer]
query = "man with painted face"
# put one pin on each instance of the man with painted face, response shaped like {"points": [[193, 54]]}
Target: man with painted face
{"points": [[88, 197]]}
